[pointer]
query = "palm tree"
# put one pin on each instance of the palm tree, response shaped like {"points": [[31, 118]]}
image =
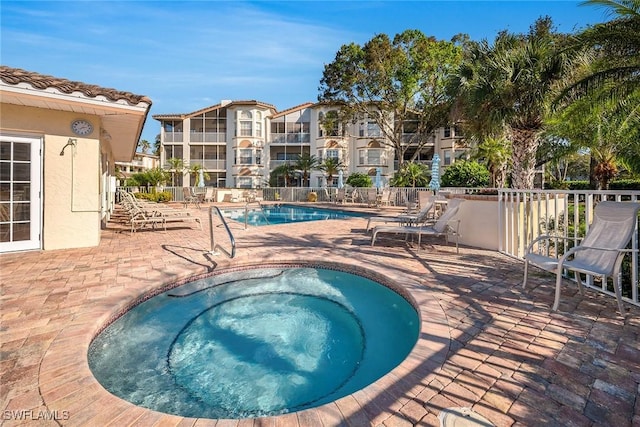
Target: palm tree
{"points": [[508, 87], [615, 46], [195, 171], [143, 146], [285, 170], [174, 165], [496, 152], [412, 174], [608, 129], [306, 163], [331, 166]]}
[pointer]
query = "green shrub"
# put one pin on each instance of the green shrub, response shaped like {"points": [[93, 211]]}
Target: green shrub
{"points": [[412, 174], [158, 197], [619, 184], [358, 179], [625, 184], [466, 174]]}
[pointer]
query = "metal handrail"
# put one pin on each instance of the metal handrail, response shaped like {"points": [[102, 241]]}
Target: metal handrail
{"points": [[246, 212], [226, 226]]}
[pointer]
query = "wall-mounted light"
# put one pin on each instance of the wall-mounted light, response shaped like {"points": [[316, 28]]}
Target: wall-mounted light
{"points": [[72, 142]]}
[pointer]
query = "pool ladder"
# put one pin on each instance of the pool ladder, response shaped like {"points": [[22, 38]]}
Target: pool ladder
{"points": [[246, 212], [214, 246]]}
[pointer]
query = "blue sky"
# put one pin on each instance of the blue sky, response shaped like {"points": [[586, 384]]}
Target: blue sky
{"points": [[189, 55]]}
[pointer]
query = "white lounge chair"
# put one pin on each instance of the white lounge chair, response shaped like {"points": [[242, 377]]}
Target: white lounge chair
{"points": [[445, 226], [600, 253], [405, 219]]}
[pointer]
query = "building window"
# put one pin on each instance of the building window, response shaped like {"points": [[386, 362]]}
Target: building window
{"points": [[259, 129], [245, 156], [173, 152], [245, 182], [333, 154], [447, 157], [245, 128], [246, 123], [447, 132], [370, 156]]}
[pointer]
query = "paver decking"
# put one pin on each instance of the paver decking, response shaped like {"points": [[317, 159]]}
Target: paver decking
{"points": [[484, 343]]}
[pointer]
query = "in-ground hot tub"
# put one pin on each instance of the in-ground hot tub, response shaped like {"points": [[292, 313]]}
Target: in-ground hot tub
{"points": [[255, 342]]}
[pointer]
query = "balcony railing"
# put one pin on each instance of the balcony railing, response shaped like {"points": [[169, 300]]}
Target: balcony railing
{"points": [[292, 138], [208, 137], [173, 137], [210, 164]]}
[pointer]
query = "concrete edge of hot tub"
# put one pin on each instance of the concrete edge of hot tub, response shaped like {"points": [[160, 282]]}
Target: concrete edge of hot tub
{"points": [[67, 385]]}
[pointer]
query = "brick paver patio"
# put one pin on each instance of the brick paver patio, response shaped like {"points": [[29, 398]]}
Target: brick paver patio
{"points": [[484, 343]]}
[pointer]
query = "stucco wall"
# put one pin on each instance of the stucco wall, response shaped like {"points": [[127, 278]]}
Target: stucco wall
{"points": [[479, 223], [70, 187]]}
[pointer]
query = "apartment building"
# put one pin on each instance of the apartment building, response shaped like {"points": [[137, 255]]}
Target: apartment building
{"points": [[140, 163], [238, 143]]}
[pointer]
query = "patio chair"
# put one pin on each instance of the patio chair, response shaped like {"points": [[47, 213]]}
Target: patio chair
{"points": [[424, 197], [420, 217], [600, 253], [372, 197], [189, 196], [444, 226], [209, 195]]}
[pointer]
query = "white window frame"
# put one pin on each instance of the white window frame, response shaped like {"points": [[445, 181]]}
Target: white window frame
{"points": [[35, 189]]}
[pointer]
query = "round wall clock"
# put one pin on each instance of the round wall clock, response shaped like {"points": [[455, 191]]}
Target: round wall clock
{"points": [[81, 127]]}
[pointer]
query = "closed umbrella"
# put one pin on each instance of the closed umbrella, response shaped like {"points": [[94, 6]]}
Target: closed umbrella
{"points": [[434, 184], [378, 178], [201, 178], [340, 179]]}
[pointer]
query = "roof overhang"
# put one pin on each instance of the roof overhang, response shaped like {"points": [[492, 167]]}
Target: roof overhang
{"points": [[121, 120]]}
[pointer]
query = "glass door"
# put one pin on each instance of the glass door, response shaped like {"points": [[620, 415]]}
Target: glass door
{"points": [[20, 222]]}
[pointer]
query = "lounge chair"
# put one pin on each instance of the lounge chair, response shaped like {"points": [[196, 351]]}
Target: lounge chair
{"points": [[443, 226], [142, 213], [405, 218], [600, 253]]}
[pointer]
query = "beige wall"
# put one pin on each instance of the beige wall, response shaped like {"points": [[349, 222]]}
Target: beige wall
{"points": [[479, 223], [71, 197]]}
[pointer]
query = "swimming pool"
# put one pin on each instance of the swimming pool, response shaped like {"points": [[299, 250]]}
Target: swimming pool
{"points": [[282, 214], [255, 342]]}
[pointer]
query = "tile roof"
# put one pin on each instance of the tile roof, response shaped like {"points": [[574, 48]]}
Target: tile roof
{"points": [[292, 109], [15, 76], [181, 116]]}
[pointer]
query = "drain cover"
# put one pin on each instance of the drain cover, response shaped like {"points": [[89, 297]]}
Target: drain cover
{"points": [[462, 417]]}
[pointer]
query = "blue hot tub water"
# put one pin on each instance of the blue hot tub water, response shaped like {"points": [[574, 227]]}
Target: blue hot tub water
{"points": [[255, 343]]}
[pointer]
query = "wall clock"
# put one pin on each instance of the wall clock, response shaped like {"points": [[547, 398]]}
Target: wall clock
{"points": [[81, 127]]}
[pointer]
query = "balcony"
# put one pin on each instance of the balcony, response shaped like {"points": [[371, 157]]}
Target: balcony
{"points": [[173, 137], [296, 138], [210, 164], [208, 137]]}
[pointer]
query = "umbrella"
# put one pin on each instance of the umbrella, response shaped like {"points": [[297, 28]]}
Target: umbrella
{"points": [[435, 173], [340, 179], [201, 180], [378, 178]]}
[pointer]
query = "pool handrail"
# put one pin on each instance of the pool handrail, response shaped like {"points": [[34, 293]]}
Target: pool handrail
{"points": [[229, 233], [246, 212]]}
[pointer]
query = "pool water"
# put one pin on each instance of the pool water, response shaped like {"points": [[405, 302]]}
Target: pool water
{"points": [[282, 214], [255, 343]]}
